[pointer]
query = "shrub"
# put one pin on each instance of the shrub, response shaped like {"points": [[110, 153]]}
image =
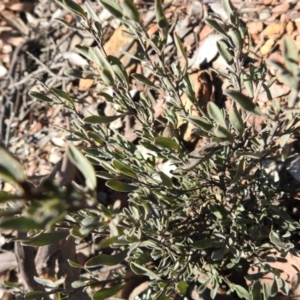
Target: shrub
{"points": [[224, 203]]}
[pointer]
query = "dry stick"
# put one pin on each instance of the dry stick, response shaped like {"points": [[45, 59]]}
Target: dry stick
{"points": [[46, 67]]}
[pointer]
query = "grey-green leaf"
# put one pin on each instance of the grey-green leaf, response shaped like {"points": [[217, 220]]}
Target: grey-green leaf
{"points": [[223, 134], [74, 73], [216, 26], [46, 238], [244, 101], [228, 8], [216, 114], [202, 244], [129, 10], [120, 186], [223, 49], [202, 123], [160, 17], [36, 295], [138, 269], [107, 260], [241, 291], [113, 7], [101, 119], [290, 55], [119, 69], [167, 143], [75, 8], [143, 79], [236, 120], [83, 165], [20, 223], [166, 180], [106, 293], [124, 169], [275, 239], [256, 287], [64, 95], [40, 97], [10, 168], [181, 51]]}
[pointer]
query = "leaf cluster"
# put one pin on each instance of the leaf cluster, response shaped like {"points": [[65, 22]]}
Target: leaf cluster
{"points": [[221, 205]]}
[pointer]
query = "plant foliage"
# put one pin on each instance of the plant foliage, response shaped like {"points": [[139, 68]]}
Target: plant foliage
{"points": [[219, 207]]}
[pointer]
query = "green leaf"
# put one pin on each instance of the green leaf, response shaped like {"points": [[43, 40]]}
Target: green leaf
{"points": [[216, 26], [290, 55], [129, 10], [143, 79], [120, 186], [202, 244], [204, 285], [11, 284], [166, 180], [107, 77], [46, 238], [166, 143], [202, 123], [256, 276], [79, 232], [75, 8], [10, 168], [139, 270], [181, 52], [46, 282], [182, 287], [36, 295], [124, 169], [160, 18], [119, 69], [247, 81], [228, 8], [107, 260], [101, 119], [236, 38], [84, 50], [78, 284], [283, 286], [274, 287], [219, 254], [83, 165], [113, 7], [223, 134], [275, 239], [105, 175], [241, 291], [150, 147], [236, 121], [107, 242], [244, 101], [216, 114], [40, 97], [64, 22], [224, 51], [91, 12], [266, 291], [214, 289], [74, 73], [256, 294], [105, 293], [62, 94], [98, 57], [74, 264], [20, 223]]}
